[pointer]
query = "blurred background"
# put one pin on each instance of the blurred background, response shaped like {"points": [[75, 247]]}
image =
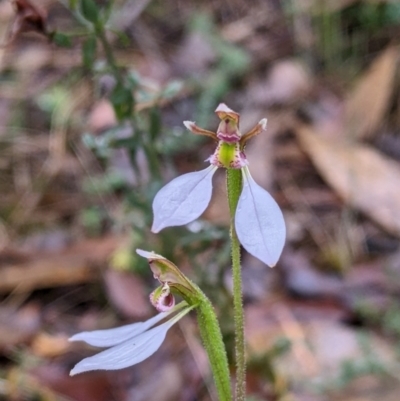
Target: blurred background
{"points": [[92, 99]]}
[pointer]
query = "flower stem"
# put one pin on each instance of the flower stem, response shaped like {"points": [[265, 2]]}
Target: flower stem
{"points": [[212, 339], [211, 335], [234, 184]]}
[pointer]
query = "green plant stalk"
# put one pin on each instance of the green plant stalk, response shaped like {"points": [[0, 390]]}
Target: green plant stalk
{"points": [[234, 185], [213, 343], [150, 153], [101, 34]]}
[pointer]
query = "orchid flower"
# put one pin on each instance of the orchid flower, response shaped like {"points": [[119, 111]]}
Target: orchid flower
{"points": [[133, 343], [259, 222]]}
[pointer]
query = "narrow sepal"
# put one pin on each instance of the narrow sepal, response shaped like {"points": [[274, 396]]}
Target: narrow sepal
{"points": [[131, 351], [192, 127], [163, 269], [126, 354], [260, 127], [183, 199], [259, 222], [117, 335], [149, 255]]}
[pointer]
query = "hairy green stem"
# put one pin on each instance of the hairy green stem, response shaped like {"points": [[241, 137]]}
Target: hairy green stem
{"points": [[210, 333], [234, 185], [213, 343]]}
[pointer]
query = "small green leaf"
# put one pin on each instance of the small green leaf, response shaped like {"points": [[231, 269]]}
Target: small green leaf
{"points": [[89, 51], [90, 11], [62, 40], [122, 101], [107, 11], [155, 124]]}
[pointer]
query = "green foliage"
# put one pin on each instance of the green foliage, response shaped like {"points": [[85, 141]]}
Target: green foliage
{"points": [[104, 185], [89, 48], [122, 101], [392, 13], [369, 17], [62, 40], [89, 10]]}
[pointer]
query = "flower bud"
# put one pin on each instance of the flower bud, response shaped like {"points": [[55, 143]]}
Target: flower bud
{"points": [[172, 280]]}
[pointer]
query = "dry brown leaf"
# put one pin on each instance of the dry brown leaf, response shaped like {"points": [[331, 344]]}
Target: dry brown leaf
{"points": [[363, 178], [287, 81], [79, 264], [366, 105], [320, 342], [53, 377], [127, 293]]}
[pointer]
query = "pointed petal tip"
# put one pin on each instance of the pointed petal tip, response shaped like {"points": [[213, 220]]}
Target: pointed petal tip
{"points": [[78, 337], [189, 124], [265, 259], [148, 255], [263, 123], [224, 111], [222, 107], [77, 369], [263, 256], [154, 229]]}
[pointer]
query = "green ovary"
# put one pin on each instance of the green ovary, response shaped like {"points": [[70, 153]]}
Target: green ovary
{"points": [[227, 152]]}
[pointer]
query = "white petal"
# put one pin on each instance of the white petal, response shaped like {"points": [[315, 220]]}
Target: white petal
{"points": [[182, 200], [110, 337], [259, 222], [127, 353]]}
